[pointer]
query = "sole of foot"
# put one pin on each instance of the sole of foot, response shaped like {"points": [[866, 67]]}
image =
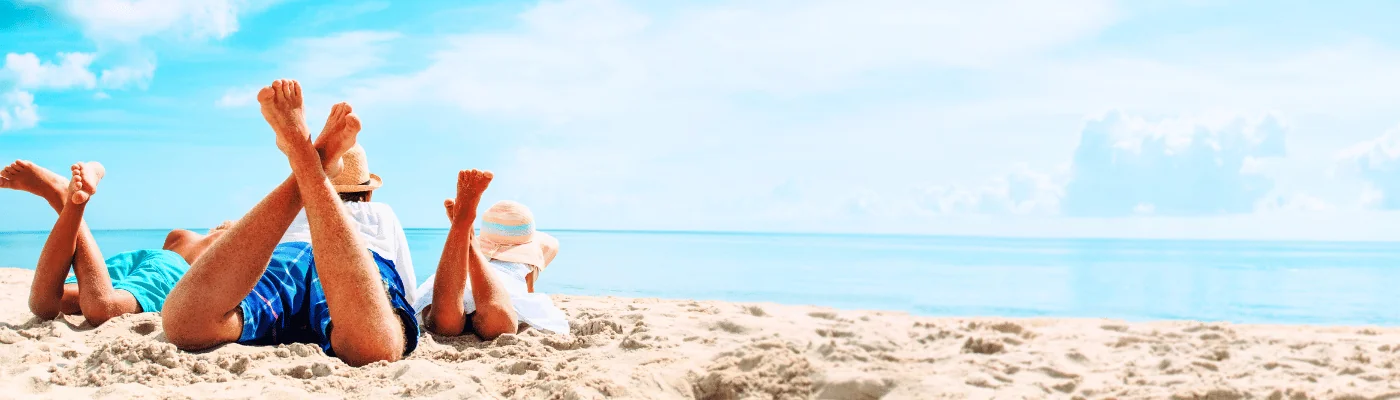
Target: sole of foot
{"points": [[471, 184], [84, 183], [339, 135], [281, 106], [25, 176]]}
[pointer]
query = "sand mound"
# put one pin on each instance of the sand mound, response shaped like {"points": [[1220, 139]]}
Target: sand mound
{"points": [[661, 349]]}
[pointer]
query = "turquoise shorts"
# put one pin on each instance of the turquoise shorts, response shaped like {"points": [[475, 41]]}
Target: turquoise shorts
{"points": [[148, 275]]}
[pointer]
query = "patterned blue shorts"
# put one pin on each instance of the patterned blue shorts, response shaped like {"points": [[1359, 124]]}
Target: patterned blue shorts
{"points": [[288, 304]]}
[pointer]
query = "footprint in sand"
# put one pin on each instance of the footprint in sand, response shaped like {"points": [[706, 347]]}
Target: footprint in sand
{"points": [[729, 326], [144, 328]]}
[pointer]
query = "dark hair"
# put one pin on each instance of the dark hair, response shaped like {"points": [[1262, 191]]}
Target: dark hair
{"points": [[355, 197]]}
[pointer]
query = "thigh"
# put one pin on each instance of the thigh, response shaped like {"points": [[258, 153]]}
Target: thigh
{"points": [[392, 286]]}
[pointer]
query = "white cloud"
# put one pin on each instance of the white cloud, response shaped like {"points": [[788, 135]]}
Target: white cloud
{"points": [[137, 74], [17, 111], [342, 55], [1346, 79], [659, 94], [1177, 166], [71, 71], [1378, 162], [239, 97], [1021, 192], [1295, 202], [580, 58], [132, 20]]}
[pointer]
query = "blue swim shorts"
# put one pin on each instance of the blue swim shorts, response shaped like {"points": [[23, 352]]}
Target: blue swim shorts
{"points": [[148, 275], [288, 304]]}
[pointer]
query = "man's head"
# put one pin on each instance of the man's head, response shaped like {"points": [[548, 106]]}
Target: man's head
{"points": [[355, 183], [357, 197]]}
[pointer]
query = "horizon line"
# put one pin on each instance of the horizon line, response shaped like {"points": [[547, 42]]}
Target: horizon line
{"points": [[841, 234]]}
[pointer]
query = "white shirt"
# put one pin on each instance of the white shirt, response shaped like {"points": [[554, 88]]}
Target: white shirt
{"points": [[380, 228], [535, 309]]}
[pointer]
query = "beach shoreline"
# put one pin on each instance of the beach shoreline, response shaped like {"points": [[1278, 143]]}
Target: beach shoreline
{"points": [[651, 348]]}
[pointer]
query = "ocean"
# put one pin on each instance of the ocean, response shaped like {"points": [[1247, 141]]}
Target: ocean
{"points": [[1332, 283]]}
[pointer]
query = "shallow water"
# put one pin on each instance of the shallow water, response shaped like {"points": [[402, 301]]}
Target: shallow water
{"points": [[1253, 282]]}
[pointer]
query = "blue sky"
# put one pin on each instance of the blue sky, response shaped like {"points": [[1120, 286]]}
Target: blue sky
{"points": [[1190, 119]]}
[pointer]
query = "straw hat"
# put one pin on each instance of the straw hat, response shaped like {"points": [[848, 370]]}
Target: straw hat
{"points": [[354, 174], [508, 234]]}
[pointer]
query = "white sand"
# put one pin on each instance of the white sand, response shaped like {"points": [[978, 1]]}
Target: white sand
{"points": [[659, 349]]}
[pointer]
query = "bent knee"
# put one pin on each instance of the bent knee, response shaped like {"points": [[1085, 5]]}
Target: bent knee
{"points": [[191, 333], [492, 325], [44, 311], [360, 353], [98, 311], [175, 237]]}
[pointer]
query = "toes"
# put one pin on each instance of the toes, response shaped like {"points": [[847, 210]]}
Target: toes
{"points": [[267, 93], [352, 122], [487, 176], [5, 183], [449, 205]]}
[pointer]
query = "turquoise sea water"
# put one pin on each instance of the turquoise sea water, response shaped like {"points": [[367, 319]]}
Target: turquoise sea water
{"points": [[1248, 282]]}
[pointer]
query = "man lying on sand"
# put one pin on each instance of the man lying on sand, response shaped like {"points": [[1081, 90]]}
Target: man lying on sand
{"points": [[130, 282], [502, 295], [340, 294]]}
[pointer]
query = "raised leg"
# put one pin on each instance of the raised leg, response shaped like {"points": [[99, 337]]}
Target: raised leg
{"points": [[201, 311], [365, 327], [94, 296], [48, 284], [97, 299], [462, 261]]}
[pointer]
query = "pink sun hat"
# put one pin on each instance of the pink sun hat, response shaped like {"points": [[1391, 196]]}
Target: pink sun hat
{"points": [[508, 234]]}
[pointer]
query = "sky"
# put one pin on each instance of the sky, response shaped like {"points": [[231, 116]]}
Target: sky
{"points": [[1074, 118]]}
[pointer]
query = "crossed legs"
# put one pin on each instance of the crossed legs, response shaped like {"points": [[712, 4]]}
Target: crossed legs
{"points": [[462, 261], [69, 244], [202, 311]]}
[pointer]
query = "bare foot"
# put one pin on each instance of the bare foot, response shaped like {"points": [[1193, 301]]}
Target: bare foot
{"points": [[282, 107], [84, 182], [24, 175], [470, 185], [338, 137]]}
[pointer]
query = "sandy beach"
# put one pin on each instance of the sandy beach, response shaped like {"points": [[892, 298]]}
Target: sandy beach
{"points": [[660, 349]]}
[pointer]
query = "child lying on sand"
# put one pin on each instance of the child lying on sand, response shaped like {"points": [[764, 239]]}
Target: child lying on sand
{"points": [[130, 282], [484, 284]]}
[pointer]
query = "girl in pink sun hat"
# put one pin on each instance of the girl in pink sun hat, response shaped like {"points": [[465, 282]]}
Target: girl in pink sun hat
{"points": [[490, 275], [508, 234]]}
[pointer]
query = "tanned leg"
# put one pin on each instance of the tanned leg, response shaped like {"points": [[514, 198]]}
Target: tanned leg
{"points": [[462, 261], [97, 299], [202, 310], [48, 284], [365, 326]]}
